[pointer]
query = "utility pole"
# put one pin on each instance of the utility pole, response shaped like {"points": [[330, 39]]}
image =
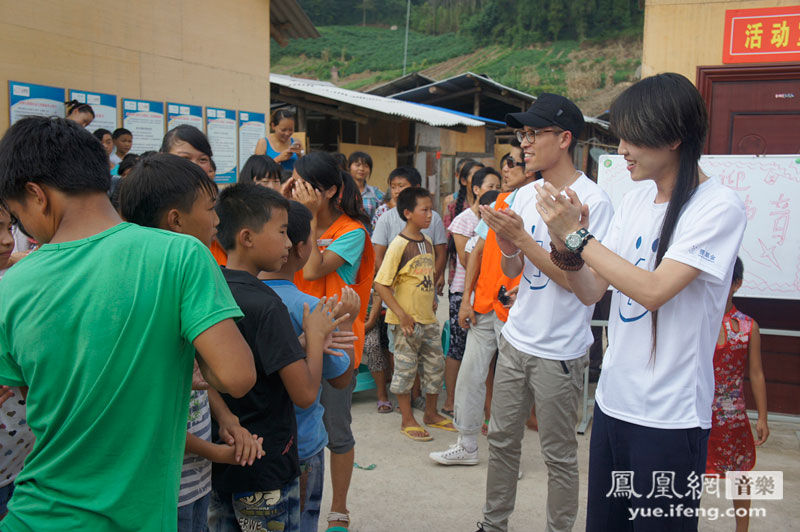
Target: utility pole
{"points": [[405, 49]]}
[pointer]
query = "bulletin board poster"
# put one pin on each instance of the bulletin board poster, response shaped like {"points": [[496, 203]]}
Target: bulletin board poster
{"points": [[145, 120], [221, 131], [252, 128], [180, 114], [27, 99], [103, 105]]}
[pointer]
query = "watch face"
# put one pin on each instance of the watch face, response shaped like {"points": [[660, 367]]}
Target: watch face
{"points": [[573, 241]]}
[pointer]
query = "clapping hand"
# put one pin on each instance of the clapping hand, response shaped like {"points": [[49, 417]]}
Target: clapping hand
{"points": [[562, 212]]}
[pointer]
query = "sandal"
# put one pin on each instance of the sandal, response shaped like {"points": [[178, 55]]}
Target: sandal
{"points": [[445, 424], [425, 437], [447, 413], [385, 407], [337, 516]]}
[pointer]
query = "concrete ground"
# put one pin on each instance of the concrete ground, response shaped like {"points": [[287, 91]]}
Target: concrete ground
{"points": [[406, 491]]}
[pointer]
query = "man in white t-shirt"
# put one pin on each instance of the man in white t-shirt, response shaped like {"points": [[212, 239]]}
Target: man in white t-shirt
{"points": [[543, 349]]}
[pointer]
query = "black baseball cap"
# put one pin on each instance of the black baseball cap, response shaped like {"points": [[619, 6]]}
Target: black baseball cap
{"points": [[550, 110]]}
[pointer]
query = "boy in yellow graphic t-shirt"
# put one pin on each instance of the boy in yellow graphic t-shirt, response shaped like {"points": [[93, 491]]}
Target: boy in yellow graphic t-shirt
{"points": [[405, 282]]}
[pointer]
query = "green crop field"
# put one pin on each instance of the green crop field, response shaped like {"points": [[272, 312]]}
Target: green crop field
{"points": [[366, 56]]}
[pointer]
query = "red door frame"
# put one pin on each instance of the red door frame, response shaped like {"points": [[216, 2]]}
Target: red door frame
{"points": [[707, 75]]}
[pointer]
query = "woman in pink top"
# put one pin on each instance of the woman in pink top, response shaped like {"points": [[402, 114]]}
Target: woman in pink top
{"points": [[462, 228]]}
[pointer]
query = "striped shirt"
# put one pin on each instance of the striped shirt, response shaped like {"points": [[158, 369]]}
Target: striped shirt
{"points": [[464, 224], [196, 472]]}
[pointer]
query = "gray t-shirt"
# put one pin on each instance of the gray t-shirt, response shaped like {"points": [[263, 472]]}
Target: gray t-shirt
{"points": [[390, 224]]}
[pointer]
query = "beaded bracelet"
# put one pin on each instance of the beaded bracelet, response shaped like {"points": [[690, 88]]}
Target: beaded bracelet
{"points": [[565, 260]]}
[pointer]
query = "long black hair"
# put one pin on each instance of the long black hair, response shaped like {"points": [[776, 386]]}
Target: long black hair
{"points": [[463, 189], [480, 176], [320, 169], [659, 111], [188, 134], [278, 115], [74, 106], [259, 167]]}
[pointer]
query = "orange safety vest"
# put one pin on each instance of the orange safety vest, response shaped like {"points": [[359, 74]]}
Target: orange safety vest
{"points": [[491, 277], [332, 284], [219, 254]]}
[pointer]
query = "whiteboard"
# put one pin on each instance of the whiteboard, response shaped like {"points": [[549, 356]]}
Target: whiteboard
{"points": [[769, 186]]}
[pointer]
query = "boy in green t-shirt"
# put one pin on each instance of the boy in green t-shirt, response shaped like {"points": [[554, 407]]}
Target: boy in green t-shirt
{"points": [[172, 193], [405, 283], [101, 324]]}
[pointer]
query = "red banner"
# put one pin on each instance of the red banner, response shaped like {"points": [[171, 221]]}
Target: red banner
{"points": [[762, 35]]}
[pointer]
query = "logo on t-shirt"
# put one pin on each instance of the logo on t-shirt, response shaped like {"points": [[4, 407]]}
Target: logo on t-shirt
{"points": [[631, 310], [536, 277]]}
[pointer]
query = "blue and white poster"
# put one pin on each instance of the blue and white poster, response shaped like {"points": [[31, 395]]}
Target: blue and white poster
{"points": [[27, 99], [221, 129], [145, 120], [103, 105], [252, 128], [179, 114]]}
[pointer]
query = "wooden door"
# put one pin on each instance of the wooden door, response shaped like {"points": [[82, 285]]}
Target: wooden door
{"points": [[756, 110]]}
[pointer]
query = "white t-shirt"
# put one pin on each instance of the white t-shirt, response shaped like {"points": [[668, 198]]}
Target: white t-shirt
{"points": [[389, 225], [547, 320], [675, 390]]}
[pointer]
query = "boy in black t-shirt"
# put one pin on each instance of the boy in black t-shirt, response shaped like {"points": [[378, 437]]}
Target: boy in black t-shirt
{"points": [[265, 496]]}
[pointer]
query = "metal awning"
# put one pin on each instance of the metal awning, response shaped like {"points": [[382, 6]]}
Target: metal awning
{"points": [[359, 106], [287, 20]]}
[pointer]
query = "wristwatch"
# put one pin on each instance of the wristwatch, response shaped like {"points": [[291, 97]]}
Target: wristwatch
{"points": [[576, 241]]}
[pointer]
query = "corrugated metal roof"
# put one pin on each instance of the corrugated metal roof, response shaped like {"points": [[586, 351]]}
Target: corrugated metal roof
{"points": [[467, 80], [487, 121], [379, 104], [403, 83], [461, 82], [288, 18]]}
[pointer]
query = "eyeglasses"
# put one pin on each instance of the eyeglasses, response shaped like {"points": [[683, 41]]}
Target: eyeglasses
{"points": [[530, 136], [511, 163]]}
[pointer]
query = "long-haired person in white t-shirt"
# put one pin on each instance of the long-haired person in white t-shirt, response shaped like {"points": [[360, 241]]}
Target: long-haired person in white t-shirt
{"points": [[668, 258]]}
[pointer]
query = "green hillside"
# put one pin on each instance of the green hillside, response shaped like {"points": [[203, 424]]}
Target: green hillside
{"points": [[357, 57]]}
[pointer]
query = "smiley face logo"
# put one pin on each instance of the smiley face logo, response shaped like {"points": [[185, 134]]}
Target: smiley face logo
{"points": [[532, 274], [630, 310]]}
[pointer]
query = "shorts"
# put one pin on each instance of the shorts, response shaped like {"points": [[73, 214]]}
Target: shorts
{"points": [[423, 347], [337, 417], [256, 510]]}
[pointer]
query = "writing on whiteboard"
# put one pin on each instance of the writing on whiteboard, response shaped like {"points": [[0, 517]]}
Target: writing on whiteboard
{"points": [[769, 186]]}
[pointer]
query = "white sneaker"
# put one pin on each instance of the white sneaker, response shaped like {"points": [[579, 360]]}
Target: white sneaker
{"points": [[455, 455]]}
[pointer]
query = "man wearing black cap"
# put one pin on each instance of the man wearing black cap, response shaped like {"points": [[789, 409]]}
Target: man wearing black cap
{"points": [[543, 349]]}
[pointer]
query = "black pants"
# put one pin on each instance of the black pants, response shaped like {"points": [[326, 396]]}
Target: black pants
{"points": [[643, 478]]}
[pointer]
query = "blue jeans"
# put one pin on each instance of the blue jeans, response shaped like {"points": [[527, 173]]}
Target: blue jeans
{"points": [[256, 510], [193, 517], [620, 451], [312, 480]]}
